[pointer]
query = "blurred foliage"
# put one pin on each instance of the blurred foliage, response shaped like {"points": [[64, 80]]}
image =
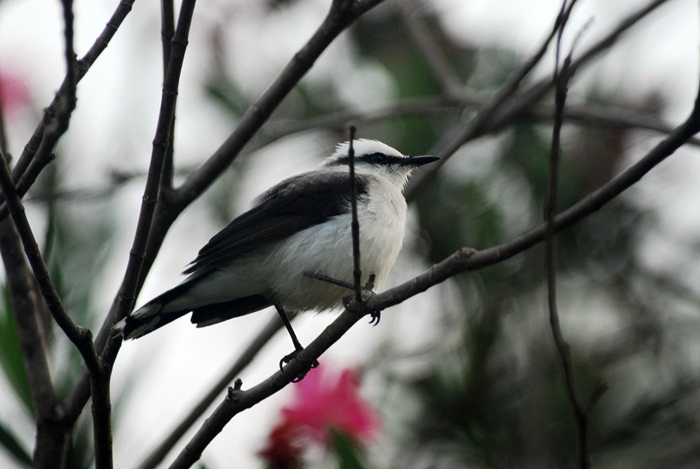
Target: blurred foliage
{"points": [[11, 354], [346, 453]]}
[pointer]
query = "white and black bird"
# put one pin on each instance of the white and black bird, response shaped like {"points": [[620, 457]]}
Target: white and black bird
{"points": [[299, 228]]}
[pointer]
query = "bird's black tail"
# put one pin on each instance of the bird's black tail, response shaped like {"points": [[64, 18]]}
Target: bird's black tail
{"points": [[151, 316], [135, 326], [219, 312]]}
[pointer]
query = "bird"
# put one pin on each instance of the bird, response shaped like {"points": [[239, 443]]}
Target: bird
{"points": [[296, 233]]}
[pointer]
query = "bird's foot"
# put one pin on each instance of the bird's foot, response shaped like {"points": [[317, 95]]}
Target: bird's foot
{"points": [[288, 358], [370, 281]]}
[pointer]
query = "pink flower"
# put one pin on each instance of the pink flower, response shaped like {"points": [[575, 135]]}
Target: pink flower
{"points": [[284, 448], [324, 404], [13, 92]]}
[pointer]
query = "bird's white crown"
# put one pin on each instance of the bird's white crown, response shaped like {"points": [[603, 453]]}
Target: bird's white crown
{"points": [[363, 147], [368, 160]]}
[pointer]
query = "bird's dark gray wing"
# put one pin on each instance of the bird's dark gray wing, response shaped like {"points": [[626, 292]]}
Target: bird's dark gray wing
{"points": [[293, 205], [215, 313]]}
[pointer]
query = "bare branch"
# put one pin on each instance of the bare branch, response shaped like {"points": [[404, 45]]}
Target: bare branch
{"points": [[82, 338], [463, 260], [495, 117], [127, 292], [238, 400], [466, 259], [79, 336], [341, 15], [157, 455], [561, 79], [26, 308], [35, 157], [167, 30], [355, 224], [167, 21]]}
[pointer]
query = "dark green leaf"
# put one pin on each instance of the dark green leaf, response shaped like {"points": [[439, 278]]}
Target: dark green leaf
{"points": [[11, 353], [346, 452], [14, 447]]}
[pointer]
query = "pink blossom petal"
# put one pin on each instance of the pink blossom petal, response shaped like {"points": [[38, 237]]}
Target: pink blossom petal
{"points": [[13, 92], [284, 448], [324, 402]]}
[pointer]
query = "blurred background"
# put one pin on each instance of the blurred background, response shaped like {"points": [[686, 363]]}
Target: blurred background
{"points": [[465, 375]]}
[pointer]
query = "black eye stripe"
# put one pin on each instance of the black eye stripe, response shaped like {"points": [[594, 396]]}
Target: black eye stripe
{"points": [[376, 158]]}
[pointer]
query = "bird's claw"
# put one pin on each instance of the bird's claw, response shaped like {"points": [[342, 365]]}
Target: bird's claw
{"points": [[375, 316], [288, 358]]}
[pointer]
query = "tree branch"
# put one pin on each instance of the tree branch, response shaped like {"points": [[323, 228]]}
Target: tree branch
{"points": [[82, 338], [251, 351], [26, 308], [167, 21], [561, 79], [496, 116], [354, 224], [35, 156], [238, 400], [127, 292], [341, 15], [463, 260]]}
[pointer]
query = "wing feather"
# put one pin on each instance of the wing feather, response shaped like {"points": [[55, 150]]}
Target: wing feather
{"points": [[293, 205]]}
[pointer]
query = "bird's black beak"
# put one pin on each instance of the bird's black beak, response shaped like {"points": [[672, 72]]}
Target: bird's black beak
{"points": [[420, 160]]}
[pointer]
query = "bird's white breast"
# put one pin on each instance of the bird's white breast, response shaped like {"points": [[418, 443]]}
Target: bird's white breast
{"points": [[327, 249]]}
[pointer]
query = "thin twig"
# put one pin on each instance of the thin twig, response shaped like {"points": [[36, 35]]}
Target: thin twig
{"points": [[354, 224], [561, 79], [247, 356], [342, 14], [463, 260], [476, 126], [167, 30], [32, 161], [27, 308], [166, 115], [511, 109], [80, 337], [99, 377], [329, 279], [239, 400], [108, 349], [167, 22], [585, 114]]}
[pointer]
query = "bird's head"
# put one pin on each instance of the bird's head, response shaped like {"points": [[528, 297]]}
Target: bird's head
{"points": [[377, 158]]}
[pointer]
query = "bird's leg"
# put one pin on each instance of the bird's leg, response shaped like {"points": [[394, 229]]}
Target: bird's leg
{"points": [[370, 281], [369, 286], [297, 345]]}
